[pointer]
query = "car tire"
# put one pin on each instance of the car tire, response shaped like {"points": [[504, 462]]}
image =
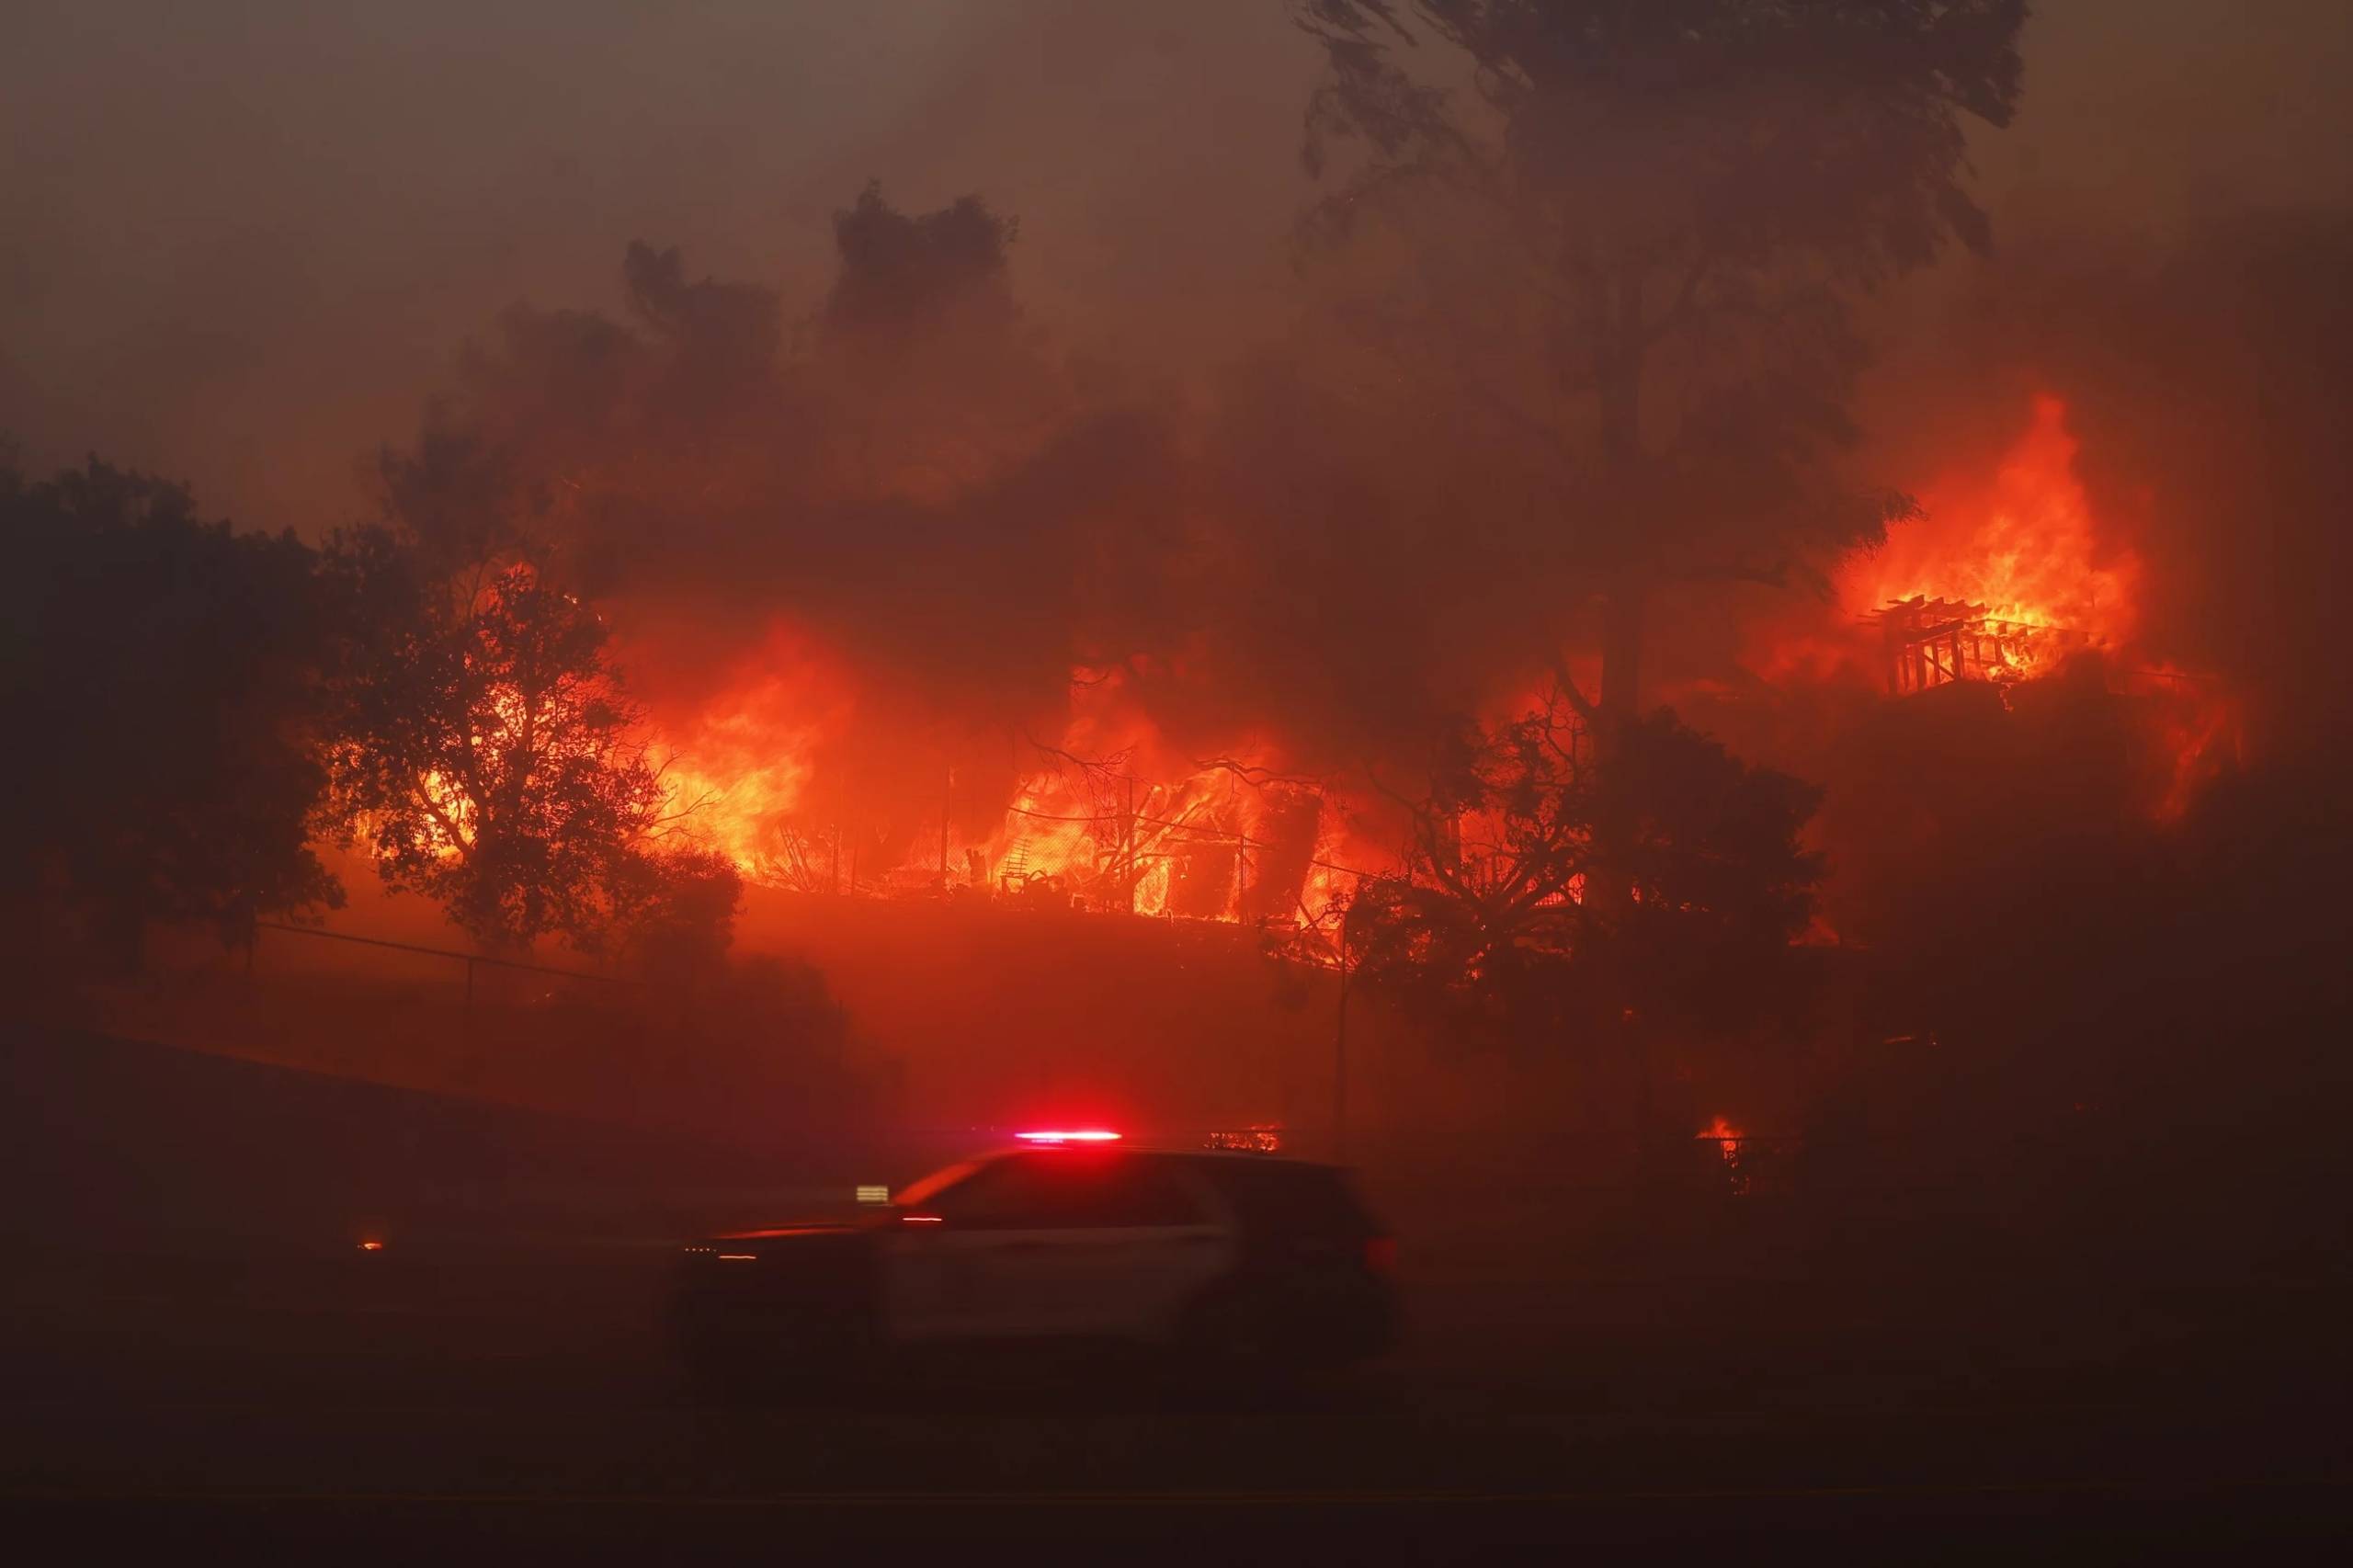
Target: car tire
{"points": [[1227, 1335], [781, 1357]]}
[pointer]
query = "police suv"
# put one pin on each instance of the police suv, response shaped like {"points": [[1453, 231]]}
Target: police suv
{"points": [[1219, 1257]]}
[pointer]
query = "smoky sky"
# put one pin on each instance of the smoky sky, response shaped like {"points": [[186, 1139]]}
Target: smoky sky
{"points": [[240, 244]]}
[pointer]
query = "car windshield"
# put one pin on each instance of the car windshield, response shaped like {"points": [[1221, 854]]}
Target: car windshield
{"points": [[1278, 1198], [1057, 1190], [938, 1182]]}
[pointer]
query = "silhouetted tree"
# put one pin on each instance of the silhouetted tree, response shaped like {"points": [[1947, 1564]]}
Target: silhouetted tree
{"points": [[490, 760], [726, 336], [923, 356], [673, 909], [158, 684], [1489, 930], [1634, 233], [906, 273], [459, 493]]}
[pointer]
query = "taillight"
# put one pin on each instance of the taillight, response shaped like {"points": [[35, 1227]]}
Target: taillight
{"points": [[1380, 1254]]}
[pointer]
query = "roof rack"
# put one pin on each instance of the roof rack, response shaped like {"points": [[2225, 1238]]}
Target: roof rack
{"points": [[1247, 1139]]}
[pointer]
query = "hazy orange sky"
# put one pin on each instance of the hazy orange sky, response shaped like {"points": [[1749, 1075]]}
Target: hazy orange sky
{"points": [[240, 243]]}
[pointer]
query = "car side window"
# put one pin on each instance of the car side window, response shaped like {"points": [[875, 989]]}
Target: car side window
{"points": [[1069, 1189], [1019, 1192], [972, 1199], [1148, 1193]]}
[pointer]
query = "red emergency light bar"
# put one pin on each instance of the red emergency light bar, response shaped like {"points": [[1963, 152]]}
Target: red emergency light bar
{"points": [[1088, 1135]]}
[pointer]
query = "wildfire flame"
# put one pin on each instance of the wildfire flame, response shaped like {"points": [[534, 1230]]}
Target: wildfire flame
{"points": [[2008, 573], [1103, 816], [2024, 545]]}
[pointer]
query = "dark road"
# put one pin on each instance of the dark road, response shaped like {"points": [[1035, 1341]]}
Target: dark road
{"points": [[404, 1403], [215, 1361]]}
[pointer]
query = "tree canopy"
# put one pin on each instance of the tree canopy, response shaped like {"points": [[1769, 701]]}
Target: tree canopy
{"points": [[1490, 928], [1634, 232], [160, 681], [907, 272], [489, 759]]}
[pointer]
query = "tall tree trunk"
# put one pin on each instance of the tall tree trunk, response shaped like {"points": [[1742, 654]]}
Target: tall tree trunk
{"points": [[1626, 597], [1624, 611], [1625, 615], [1609, 882]]}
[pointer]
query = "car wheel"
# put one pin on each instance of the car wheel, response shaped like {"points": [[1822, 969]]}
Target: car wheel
{"points": [[1227, 1331], [778, 1356]]}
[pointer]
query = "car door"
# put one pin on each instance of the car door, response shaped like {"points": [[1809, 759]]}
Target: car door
{"points": [[989, 1256], [1053, 1242], [1153, 1238]]}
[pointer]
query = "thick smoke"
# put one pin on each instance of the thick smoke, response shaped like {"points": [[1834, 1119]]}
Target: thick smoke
{"points": [[910, 532], [2208, 377], [885, 486], [901, 534]]}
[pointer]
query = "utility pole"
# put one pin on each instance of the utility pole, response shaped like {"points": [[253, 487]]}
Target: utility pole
{"points": [[1340, 1052], [1128, 846], [947, 800]]}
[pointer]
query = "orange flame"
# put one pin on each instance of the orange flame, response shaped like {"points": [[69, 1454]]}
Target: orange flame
{"points": [[1107, 815], [2025, 545], [2022, 566]]}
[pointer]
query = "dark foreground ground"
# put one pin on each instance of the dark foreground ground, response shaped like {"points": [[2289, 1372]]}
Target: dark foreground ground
{"points": [[502, 1396]]}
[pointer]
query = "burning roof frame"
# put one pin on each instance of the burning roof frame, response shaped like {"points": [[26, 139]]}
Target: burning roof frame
{"points": [[1932, 642]]}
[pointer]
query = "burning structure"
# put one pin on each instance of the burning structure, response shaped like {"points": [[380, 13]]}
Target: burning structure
{"points": [[2004, 577], [1931, 641], [810, 785]]}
